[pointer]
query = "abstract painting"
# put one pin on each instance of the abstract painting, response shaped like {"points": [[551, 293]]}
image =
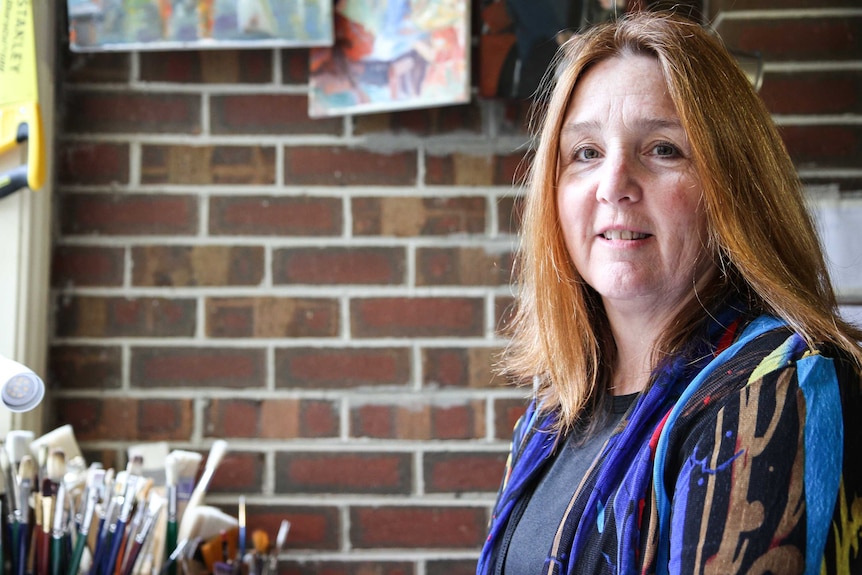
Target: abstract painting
{"points": [[391, 55], [97, 25]]}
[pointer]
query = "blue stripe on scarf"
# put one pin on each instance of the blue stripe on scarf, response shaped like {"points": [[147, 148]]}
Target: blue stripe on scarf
{"points": [[824, 431]]}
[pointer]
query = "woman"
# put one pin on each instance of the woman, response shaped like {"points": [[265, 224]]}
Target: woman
{"points": [[695, 391]]}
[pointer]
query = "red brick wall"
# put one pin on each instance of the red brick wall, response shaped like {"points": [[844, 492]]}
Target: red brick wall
{"points": [[323, 294]]}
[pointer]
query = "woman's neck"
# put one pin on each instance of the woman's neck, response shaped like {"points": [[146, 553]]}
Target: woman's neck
{"points": [[635, 340]]}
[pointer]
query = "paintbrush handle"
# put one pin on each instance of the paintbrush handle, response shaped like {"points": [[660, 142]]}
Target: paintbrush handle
{"points": [[116, 543], [171, 544], [56, 555], [22, 548], [77, 553]]}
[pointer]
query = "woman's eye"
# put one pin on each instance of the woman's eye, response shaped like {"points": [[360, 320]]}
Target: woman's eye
{"points": [[586, 154], [665, 150]]}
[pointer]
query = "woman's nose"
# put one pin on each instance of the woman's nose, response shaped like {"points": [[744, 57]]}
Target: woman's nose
{"points": [[618, 180]]}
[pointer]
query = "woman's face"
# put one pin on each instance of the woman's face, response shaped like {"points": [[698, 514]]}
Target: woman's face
{"points": [[629, 199]]}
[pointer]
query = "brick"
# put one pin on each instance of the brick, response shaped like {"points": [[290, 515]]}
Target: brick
{"points": [[272, 419], [413, 527], [128, 214], [462, 169], [294, 66], [450, 567], [205, 165], [507, 412], [407, 217], [834, 146], [197, 367], [315, 527], [356, 473], [466, 472], [275, 216], [238, 472], [207, 66], [459, 170], [125, 419], [267, 114], [459, 367], [422, 122], [337, 265], [130, 112], [509, 214], [94, 316], [88, 163], [802, 92], [87, 266], [72, 367], [417, 317], [271, 317], [341, 166], [469, 266], [511, 169], [187, 266], [796, 39], [355, 567], [452, 421], [96, 67], [341, 368]]}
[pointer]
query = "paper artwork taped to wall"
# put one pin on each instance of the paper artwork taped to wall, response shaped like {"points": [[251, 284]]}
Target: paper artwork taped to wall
{"points": [[127, 25], [391, 55]]}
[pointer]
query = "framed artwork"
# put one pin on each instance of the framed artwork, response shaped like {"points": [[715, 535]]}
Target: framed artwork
{"points": [[520, 37], [391, 55], [99, 25]]}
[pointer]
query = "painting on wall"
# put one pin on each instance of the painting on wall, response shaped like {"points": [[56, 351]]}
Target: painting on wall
{"points": [[391, 55], [98, 25], [520, 37]]}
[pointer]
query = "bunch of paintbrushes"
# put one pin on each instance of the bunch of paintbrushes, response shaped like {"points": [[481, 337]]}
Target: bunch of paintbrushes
{"points": [[66, 518]]}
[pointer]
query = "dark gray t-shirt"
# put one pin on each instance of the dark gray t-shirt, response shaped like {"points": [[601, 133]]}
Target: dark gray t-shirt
{"points": [[537, 527]]}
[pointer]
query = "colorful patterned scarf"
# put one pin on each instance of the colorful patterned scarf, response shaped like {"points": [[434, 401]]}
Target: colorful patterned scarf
{"points": [[625, 464]]}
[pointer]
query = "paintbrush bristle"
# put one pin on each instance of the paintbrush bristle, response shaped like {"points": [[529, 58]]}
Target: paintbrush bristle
{"points": [[56, 466], [26, 468], [260, 540], [18, 444]]}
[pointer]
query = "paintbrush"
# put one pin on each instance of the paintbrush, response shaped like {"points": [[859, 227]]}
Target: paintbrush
{"points": [[128, 498], [280, 540], [16, 446], [260, 541], [242, 527], [54, 470], [150, 516], [42, 545], [95, 483], [184, 466], [26, 473], [178, 554], [217, 452], [141, 508], [105, 511], [58, 530]]}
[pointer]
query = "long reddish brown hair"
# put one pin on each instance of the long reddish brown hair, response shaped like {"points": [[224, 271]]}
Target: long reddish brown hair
{"points": [[761, 236]]}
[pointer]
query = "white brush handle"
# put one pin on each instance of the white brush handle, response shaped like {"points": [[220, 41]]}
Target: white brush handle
{"points": [[215, 456]]}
